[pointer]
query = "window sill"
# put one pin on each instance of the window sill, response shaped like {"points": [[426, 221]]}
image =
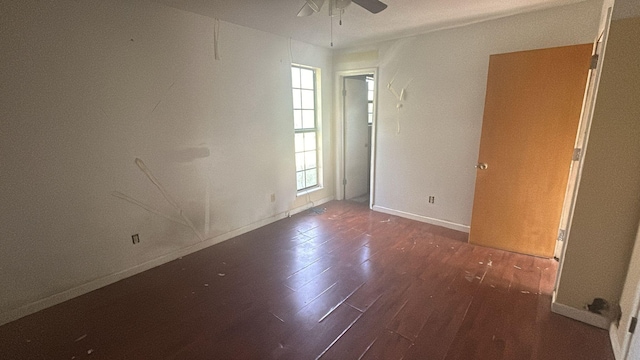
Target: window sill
{"points": [[309, 191]]}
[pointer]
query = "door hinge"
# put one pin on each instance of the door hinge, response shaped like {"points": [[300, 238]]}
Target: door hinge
{"points": [[561, 234], [594, 62], [577, 154], [344, 182], [632, 326]]}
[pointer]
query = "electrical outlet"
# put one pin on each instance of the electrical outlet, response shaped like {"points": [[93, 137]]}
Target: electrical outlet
{"points": [[135, 238], [432, 199]]}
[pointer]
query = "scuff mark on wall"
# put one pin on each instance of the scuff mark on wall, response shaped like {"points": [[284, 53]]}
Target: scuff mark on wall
{"points": [[147, 207], [184, 220], [187, 155], [167, 197]]}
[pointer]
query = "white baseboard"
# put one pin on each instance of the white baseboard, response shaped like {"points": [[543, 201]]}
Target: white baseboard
{"points": [[63, 296], [425, 219], [581, 315]]}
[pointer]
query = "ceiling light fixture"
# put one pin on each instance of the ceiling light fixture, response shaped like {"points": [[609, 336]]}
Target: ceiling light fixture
{"points": [[336, 8]]}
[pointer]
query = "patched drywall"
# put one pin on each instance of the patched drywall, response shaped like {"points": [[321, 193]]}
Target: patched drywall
{"points": [[88, 87]]}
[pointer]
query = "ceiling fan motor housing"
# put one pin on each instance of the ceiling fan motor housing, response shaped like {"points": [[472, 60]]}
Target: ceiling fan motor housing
{"points": [[341, 4]]}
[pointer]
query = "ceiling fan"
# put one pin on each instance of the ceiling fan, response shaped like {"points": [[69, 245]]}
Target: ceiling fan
{"points": [[337, 6]]}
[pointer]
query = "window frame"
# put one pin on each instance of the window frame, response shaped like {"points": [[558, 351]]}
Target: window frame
{"points": [[370, 97], [308, 130]]}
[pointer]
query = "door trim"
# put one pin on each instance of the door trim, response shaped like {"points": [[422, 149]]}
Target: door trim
{"points": [[587, 117], [340, 133]]}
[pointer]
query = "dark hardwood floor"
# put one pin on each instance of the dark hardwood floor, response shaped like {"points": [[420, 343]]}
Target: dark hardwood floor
{"points": [[348, 283]]}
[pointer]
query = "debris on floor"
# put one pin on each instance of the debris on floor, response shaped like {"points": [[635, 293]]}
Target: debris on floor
{"points": [[598, 306], [517, 267], [318, 210], [613, 312]]}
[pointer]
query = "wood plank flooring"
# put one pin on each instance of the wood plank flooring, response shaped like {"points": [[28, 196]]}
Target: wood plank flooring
{"points": [[348, 283]]}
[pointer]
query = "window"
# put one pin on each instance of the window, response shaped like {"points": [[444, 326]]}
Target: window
{"points": [[305, 124], [370, 87]]}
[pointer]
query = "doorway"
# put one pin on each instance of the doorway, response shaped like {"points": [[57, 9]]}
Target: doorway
{"points": [[356, 130]]}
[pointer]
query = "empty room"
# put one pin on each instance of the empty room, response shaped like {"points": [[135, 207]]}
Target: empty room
{"points": [[319, 179]]}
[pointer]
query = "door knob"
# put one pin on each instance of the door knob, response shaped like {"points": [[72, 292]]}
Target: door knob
{"points": [[482, 166]]}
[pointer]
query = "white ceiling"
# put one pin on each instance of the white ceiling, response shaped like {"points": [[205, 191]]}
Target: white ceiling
{"points": [[401, 18]]}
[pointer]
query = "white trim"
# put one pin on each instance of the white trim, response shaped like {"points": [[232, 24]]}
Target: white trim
{"points": [[623, 338], [424, 219], [309, 190], [339, 134], [615, 345], [85, 288], [605, 23], [584, 316]]}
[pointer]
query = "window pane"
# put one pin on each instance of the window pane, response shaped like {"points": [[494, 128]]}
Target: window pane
{"points": [[308, 119], [300, 161], [307, 99], [310, 159], [309, 141], [306, 78], [311, 177], [370, 120], [299, 142], [370, 108], [304, 117], [297, 119], [295, 77], [297, 99]]}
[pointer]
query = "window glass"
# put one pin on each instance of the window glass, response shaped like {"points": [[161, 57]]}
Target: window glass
{"points": [[303, 81]]}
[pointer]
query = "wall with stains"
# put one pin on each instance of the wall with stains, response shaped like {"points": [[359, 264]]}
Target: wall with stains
{"points": [[429, 146], [87, 87]]}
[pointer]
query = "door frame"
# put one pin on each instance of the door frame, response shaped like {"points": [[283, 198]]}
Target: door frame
{"points": [[630, 291], [584, 127], [340, 133]]}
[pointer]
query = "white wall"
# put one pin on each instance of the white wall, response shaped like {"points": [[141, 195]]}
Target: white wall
{"points": [[441, 118], [88, 86]]}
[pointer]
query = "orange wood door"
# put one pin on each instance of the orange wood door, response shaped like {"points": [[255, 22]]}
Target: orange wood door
{"points": [[531, 116]]}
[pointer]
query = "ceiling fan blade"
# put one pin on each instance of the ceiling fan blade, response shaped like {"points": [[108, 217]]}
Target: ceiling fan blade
{"points": [[310, 7], [316, 5], [306, 10], [374, 6]]}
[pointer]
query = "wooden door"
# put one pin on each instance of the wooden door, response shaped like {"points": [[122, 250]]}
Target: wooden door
{"points": [[356, 128], [531, 116]]}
